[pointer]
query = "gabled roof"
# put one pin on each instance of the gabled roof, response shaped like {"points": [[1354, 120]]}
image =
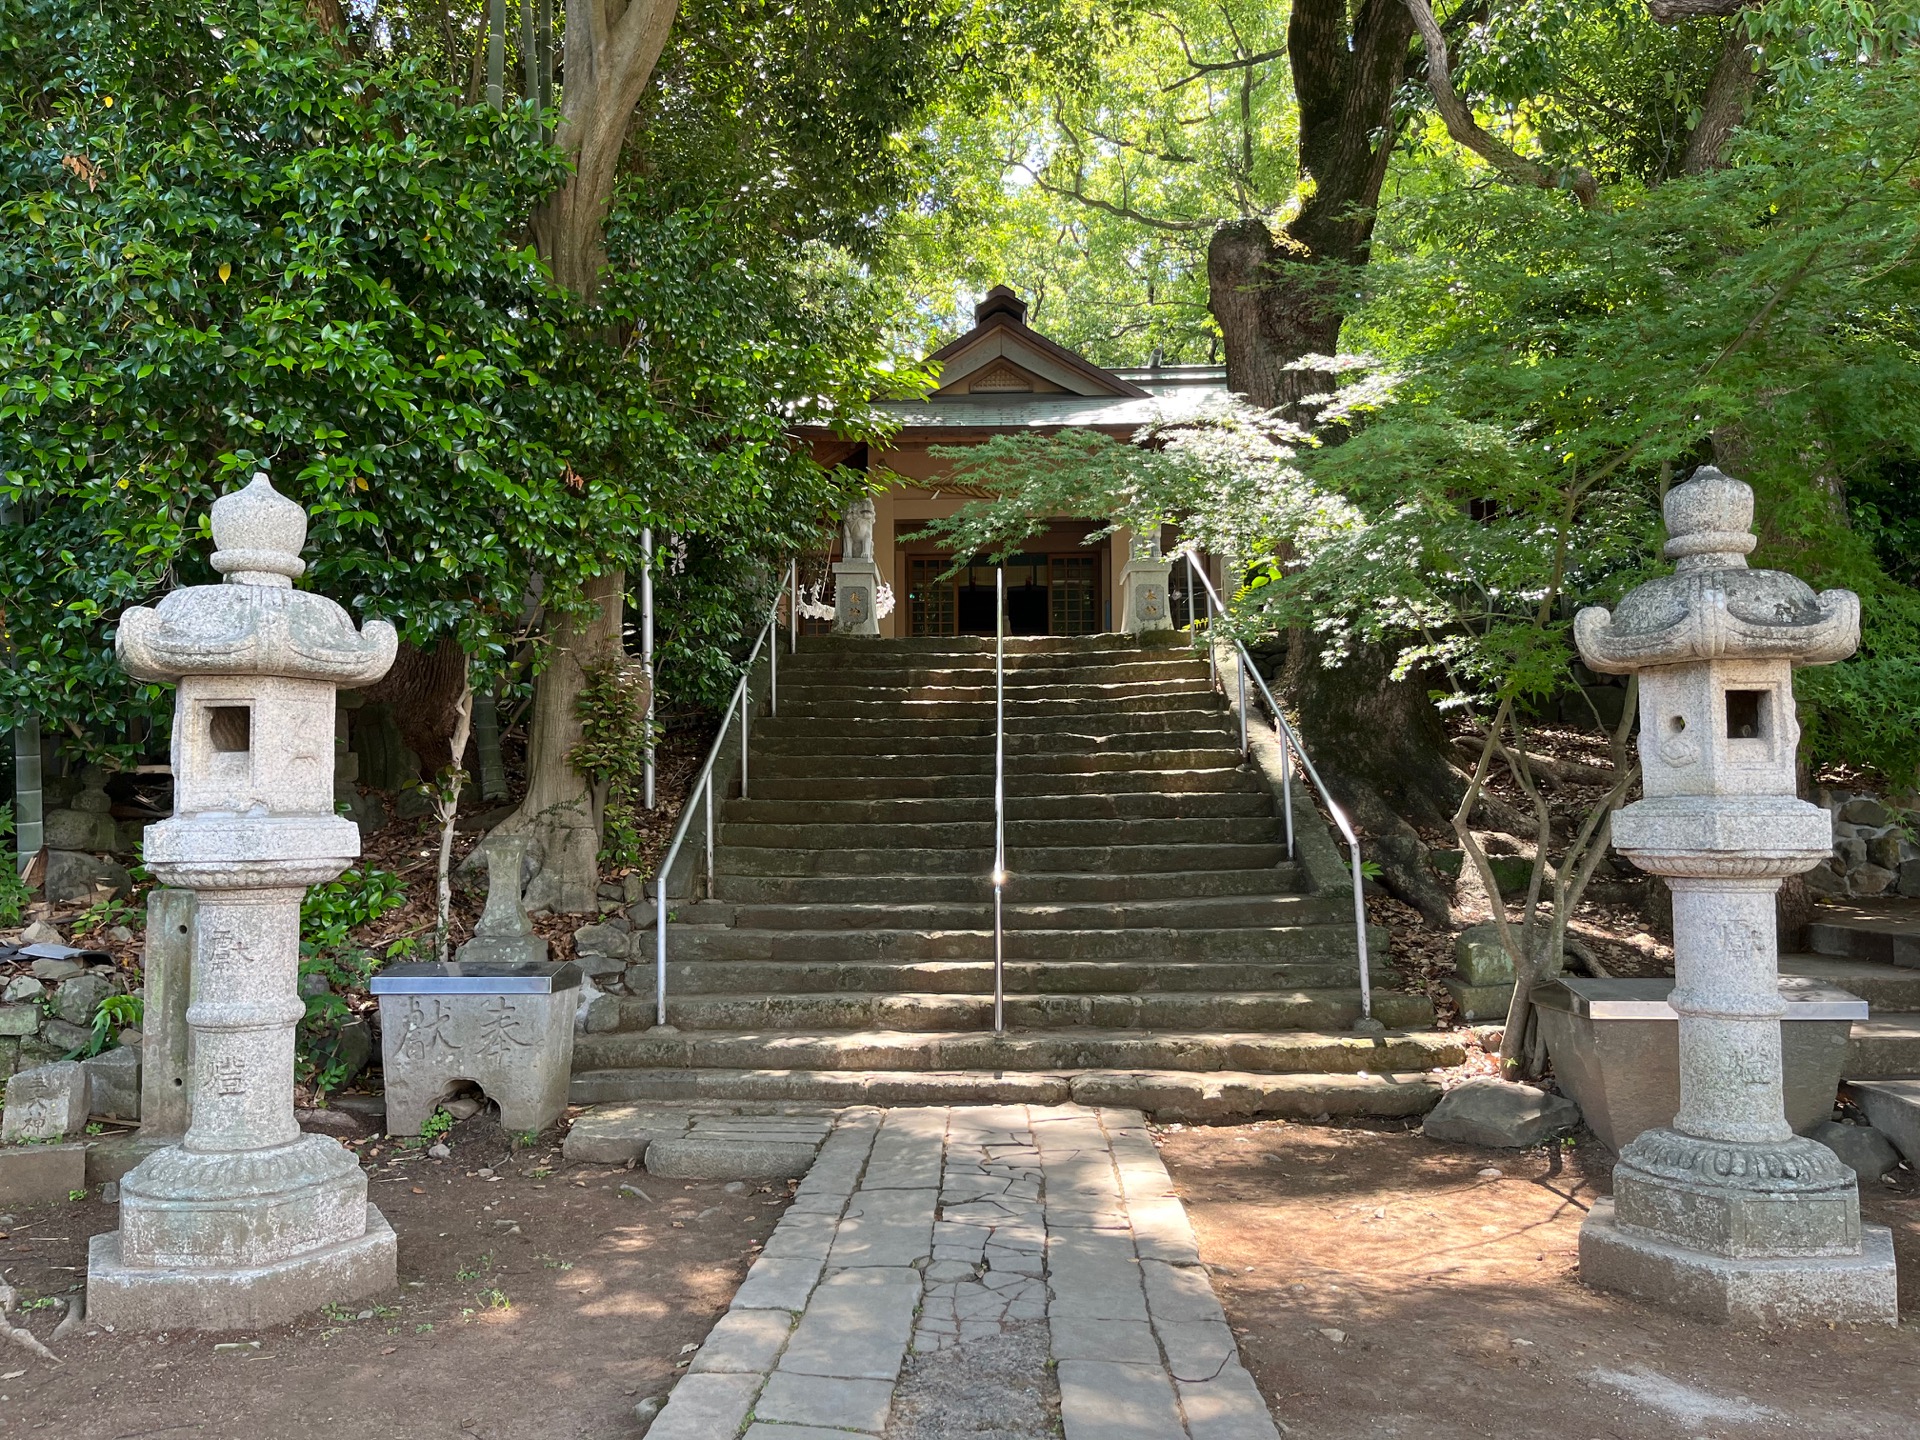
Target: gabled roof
{"points": [[1001, 351]]}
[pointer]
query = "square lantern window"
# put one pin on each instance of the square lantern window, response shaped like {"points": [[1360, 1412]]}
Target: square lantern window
{"points": [[1746, 714], [230, 728]]}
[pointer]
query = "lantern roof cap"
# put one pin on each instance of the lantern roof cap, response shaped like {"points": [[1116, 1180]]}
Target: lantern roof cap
{"points": [[1713, 606], [256, 623]]}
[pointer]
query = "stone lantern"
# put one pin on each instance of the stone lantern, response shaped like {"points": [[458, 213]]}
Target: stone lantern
{"points": [[246, 1221], [1726, 1212]]}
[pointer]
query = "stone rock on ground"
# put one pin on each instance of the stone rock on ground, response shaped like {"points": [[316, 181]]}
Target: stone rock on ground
{"points": [[41, 933], [1479, 958], [1861, 1148], [113, 1083], [1500, 1113], [74, 877], [48, 1102], [77, 999]]}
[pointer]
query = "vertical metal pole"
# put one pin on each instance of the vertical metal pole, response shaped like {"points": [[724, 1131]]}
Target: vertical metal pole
{"points": [[709, 789], [497, 53], [793, 608], [546, 59], [1213, 660], [530, 62], [1193, 621], [660, 941], [1360, 935], [746, 701], [646, 643], [29, 824], [772, 633], [1286, 779], [999, 796], [1241, 671]]}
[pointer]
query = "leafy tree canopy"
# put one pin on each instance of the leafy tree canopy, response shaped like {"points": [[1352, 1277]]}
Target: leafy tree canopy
{"points": [[228, 242]]}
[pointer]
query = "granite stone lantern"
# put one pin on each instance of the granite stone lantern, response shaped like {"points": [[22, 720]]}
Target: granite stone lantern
{"points": [[1725, 1212], [246, 1221]]}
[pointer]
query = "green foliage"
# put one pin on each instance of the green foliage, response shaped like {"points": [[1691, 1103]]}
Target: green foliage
{"points": [[331, 912], [328, 954], [612, 753], [435, 1127], [14, 894], [228, 242], [115, 1012], [1226, 478]]}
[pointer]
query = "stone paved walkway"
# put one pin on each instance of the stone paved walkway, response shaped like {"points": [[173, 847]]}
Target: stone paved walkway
{"points": [[931, 1228]]}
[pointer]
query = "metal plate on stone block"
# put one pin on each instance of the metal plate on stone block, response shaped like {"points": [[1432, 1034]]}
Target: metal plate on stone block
{"points": [[477, 977], [1647, 999]]}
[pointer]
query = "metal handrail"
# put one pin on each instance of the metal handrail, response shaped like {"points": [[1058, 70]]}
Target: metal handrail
{"points": [[999, 795], [1290, 747], [702, 790]]}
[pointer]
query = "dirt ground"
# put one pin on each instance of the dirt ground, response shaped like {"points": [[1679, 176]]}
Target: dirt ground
{"points": [[1381, 1286], [539, 1301]]}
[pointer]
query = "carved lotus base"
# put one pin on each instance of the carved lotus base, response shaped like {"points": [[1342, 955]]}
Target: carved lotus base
{"points": [[188, 1210], [1781, 1198]]}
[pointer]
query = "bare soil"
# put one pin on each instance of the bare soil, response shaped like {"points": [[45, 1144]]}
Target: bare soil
{"points": [[1381, 1286], [538, 1302]]}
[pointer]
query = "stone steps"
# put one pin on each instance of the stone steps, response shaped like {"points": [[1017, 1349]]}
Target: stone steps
{"points": [[888, 698], [975, 977], [740, 859], [976, 837], [1298, 942], [976, 887], [1288, 1052], [1216, 780], [814, 763], [1320, 1009], [1131, 805], [1884, 1046], [1159, 950], [1217, 1096], [1214, 912], [1064, 730]]}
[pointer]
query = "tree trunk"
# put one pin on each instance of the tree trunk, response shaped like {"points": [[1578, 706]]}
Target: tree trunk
{"points": [[560, 813], [1724, 105], [1272, 309], [611, 49], [1277, 298], [1381, 747]]}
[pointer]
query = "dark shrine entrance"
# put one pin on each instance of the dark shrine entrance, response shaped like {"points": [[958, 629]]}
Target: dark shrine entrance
{"points": [[1047, 594], [1056, 586]]}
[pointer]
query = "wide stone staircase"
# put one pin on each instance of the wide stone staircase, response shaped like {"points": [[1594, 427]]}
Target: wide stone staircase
{"points": [[1161, 949]]}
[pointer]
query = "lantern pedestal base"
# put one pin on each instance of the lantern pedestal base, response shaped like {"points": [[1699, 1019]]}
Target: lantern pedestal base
{"points": [[1839, 1289], [244, 1297]]}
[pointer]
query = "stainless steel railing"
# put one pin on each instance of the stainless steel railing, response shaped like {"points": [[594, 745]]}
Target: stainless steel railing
{"points": [[703, 791], [1290, 749], [999, 796]]}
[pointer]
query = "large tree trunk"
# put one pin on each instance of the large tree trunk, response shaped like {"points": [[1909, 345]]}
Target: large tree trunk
{"points": [[611, 49], [561, 811], [1381, 747], [1279, 297], [1724, 106]]}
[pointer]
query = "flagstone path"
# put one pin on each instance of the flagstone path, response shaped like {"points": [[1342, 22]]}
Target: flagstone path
{"points": [[935, 1228]]}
